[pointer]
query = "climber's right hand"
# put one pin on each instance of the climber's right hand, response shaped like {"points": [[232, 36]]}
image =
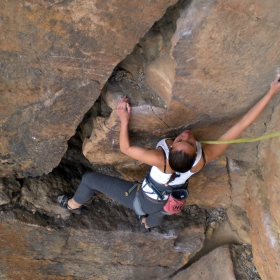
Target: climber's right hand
{"points": [[275, 85]]}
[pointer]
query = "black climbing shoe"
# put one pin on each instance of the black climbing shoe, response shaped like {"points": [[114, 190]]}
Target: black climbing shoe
{"points": [[143, 229], [63, 202]]}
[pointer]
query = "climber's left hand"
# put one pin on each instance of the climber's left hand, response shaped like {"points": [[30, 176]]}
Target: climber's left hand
{"points": [[124, 109]]}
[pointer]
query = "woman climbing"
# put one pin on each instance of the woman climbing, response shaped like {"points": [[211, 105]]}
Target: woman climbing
{"points": [[173, 162]]}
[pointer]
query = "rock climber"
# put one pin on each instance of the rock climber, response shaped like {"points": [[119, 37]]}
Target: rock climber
{"points": [[172, 163]]}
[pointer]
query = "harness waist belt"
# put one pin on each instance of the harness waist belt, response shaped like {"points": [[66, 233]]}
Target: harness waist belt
{"points": [[159, 192], [162, 187]]}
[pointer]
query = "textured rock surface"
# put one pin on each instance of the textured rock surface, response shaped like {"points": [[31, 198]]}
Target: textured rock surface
{"points": [[199, 67], [238, 176], [197, 88], [263, 205], [41, 240], [55, 58], [9, 191], [102, 243], [216, 265], [186, 59], [210, 188], [239, 223], [47, 254], [243, 265]]}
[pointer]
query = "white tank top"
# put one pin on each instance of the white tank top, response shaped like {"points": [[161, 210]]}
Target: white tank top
{"points": [[162, 178]]}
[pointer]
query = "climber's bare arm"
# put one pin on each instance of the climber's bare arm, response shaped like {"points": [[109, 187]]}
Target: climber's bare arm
{"points": [[212, 151], [150, 157]]}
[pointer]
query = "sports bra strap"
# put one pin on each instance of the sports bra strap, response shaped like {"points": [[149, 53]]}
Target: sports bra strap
{"points": [[204, 158], [164, 170]]}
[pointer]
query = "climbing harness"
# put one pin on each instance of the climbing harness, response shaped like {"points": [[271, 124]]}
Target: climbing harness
{"points": [[242, 140], [176, 196], [136, 202], [173, 198], [135, 184], [172, 205], [159, 192]]}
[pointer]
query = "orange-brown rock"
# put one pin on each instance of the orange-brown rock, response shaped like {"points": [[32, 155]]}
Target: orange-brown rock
{"points": [[216, 265], [239, 223], [210, 188], [263, 205], [238, 176], [40, 253], [40, 240], [55, 58], [185, 73], [199, 67]]}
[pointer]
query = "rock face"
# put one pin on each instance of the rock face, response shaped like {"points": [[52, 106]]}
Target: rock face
{"points": [[55, 58], [40, 240], [195, 64], [186, 59], [263, 203], [84, 254], [215, 265], [194, 67], [210, 188], [221, 263]]}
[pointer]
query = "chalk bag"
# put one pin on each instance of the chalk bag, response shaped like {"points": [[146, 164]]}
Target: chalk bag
{"points": [[176, 201]]}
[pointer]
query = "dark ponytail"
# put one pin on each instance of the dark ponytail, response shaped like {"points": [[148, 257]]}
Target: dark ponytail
{"points": [[172, 178], [180, 162]]}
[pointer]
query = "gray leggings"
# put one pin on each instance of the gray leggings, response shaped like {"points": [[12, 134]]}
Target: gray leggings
{"points": [[115, 189]]}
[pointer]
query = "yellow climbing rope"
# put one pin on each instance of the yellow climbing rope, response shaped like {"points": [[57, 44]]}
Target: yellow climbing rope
{"points": [[243, 140]]}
